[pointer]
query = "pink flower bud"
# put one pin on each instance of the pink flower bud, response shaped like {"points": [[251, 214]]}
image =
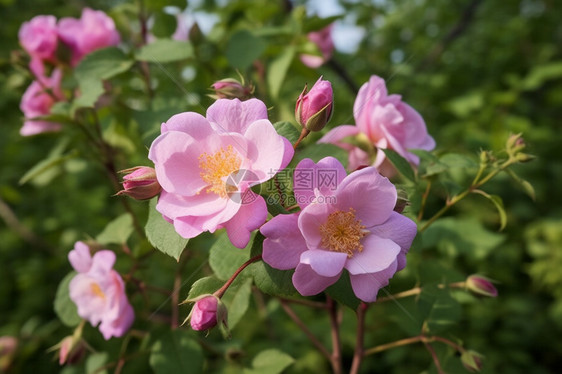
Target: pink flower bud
{"points": [[230, 88], [8, 347], [71, 350], [472, 361], [481, 286], [314, 109], [140, 183], [207, 312], [323, 40]]}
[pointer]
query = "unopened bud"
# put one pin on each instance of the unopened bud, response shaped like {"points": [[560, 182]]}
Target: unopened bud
{"points": [[140, 183], [481, 286], [524, 157], [472, 361], [515, 143], [8, 347], [315, 108], [207, 312], [230, 88], [402, 201], [71, 350]]}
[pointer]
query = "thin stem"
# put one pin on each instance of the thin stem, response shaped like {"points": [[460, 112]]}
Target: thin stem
{"points": [[336, 356], [223, 289], [417, 290], [434, 357], [424, 200], [304, 134], [448, 342], [359, 350], [313, 304], [398, 343], [306, 331]]}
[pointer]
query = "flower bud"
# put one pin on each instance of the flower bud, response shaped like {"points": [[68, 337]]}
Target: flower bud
{"points": [[401, 201], [314, 109], [230, 88], [140, 183], [8, 347], [481, 286], [71, 350], [472, 361], [207, 312]]}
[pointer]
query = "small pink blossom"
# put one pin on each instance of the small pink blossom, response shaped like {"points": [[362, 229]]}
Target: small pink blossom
{"points": [[349, 226], [37, 101], [99, 292], [206, 167], [324, 42], [385, 122], [94, 30], [39, 37], [314, 108]]}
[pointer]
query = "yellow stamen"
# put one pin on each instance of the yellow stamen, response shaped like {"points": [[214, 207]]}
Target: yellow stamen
{"points": [[343, 232], [95, 288], [215, 167]]}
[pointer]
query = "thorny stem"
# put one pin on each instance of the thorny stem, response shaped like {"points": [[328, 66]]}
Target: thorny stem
{"points": [[475, 185], [358, 354], [336, 356], [220, 292], [306, 331]]}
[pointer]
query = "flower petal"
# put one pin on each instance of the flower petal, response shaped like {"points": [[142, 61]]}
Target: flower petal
{"points": [[324, 176], [324, 263], [309, 283], [310, 220], [377, 255], [371, 195], [80, 257], [398, 228], [266, 149], [190, 123], [235, 115], [283, 242], [249, 217], [366, 286]]}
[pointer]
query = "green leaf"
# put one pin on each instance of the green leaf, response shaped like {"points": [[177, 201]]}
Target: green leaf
{"points": [[244, 48], [45, 165], [272, 281], [270, 361], [90, 91], [102, 64], [225, 258], [176, 352], [499, 206], [164, 25], [400, 164], [165, 50], [286, 129], [204, 286], [278, 70], [237, 300], [439, 308], [117, 231], [527, 187], [95, 361], [64, 307], [317, 23], [162, 235], [342, 292], [316, 152]]}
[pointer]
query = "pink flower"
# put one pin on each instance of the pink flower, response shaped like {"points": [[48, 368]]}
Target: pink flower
{"points": [[345, 222], [94, 30], [314, 108], [382, 121], [324, 42], [37, 101], [206, 167], [39, 37], [99, 292]]}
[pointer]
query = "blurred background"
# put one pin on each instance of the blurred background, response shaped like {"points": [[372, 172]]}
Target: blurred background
{"points": [[475, 70]]}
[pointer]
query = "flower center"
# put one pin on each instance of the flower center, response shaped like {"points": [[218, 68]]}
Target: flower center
{"points": [[215, 167], [342, 232], [96, 290]]}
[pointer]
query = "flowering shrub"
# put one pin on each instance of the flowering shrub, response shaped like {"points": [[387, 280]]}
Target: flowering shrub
{"points": [[324, 222]]}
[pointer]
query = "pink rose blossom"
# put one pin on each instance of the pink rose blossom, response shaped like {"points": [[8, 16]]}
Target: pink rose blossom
{"points": [[206, 167], [99, 292], [323, 39], [37, 101], [385, 122], [349, 226], [39, 37], [204, 313], [94, 30]]}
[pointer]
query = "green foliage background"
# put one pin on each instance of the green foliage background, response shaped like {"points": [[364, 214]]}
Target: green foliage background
{"points": [[476, 71]]}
